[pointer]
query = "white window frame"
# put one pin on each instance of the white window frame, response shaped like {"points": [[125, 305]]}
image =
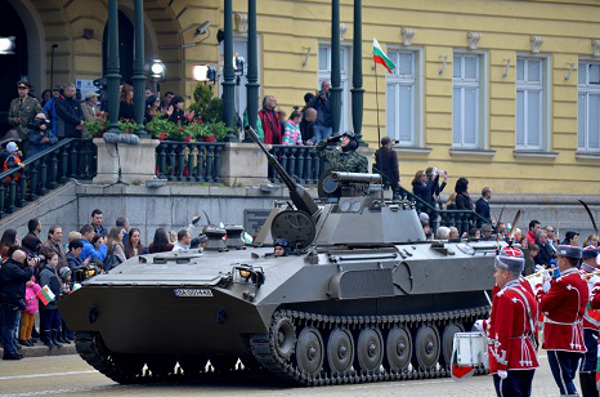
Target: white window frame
{"points": [[545, 104], [586, 89], [418, 98], [482, 105], [325, 75]]}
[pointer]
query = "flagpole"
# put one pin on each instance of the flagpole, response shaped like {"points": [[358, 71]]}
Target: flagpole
{"points": [[377, 107]]}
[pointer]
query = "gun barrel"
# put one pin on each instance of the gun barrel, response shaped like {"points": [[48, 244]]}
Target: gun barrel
{"points": [[356, 177]]}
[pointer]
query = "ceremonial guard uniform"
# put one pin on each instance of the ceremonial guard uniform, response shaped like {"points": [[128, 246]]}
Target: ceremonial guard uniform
{"points": [[512, 329], [563, 302], [591, 324], [23, 110]]}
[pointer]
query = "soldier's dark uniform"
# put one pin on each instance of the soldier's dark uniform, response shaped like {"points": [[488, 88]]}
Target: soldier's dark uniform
{"points": [[349, 160], [25, 109]]}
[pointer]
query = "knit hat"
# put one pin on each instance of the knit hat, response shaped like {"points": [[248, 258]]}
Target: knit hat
{"points": [[11, 147], [64, 272], [511, 259]]}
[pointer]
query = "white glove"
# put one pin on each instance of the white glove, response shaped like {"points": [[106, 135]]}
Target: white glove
{"points": [[502, 374], [478, 326], [546, 286]]}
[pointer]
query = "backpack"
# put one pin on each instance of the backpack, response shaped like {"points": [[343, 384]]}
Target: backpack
{"points": [[110, 262]]}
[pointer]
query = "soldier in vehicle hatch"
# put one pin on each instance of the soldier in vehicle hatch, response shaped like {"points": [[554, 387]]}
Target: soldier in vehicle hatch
{"points": [[346, 158]]}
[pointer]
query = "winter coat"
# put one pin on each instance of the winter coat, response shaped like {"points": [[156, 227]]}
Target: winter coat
{"points": [[31, 300], [13, 277], [464, 202], [323, 108], [35, 138], [74, 262], [425, 190], [90, 252], [292, 135], [386, 162], [69, 116], [49, 277]]}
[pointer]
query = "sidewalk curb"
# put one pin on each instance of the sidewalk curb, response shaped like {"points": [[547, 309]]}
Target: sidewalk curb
{"points": [[41, 351]]}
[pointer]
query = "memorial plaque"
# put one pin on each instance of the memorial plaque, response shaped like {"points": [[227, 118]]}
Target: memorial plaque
{"points": [[254, 219]]}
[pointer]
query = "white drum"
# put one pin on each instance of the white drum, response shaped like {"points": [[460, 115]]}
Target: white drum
{"points": [[471, 349]]}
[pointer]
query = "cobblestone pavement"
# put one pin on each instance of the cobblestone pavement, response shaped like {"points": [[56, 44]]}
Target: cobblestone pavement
{"points": [[70, 375]]}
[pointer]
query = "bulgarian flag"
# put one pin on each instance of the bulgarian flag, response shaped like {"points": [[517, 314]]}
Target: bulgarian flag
{"points": [[380, 57], [46, 295]]}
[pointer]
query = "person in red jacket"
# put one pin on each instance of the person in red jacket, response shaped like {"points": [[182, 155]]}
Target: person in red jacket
{"points": [[512, 327], [563, 301], [591, 323]]}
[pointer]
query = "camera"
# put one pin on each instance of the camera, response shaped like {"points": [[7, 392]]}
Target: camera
{"points": [[38, 260]]}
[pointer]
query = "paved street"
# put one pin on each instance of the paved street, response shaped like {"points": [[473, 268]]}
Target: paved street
{"points": [[69, 375]]}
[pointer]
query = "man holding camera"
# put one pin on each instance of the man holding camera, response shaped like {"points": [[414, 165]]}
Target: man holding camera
{"points": [[40, 135], [13, 276]]}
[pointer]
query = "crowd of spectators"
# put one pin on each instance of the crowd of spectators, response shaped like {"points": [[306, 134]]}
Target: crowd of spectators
{"points": [[36, 274]]}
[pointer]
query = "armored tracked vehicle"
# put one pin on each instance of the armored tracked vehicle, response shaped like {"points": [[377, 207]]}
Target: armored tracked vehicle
{"points": [[360, 297]]}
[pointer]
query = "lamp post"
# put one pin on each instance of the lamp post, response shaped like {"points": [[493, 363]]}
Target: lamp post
{"points": [[336, 77], [113, 78], [252, 85], [157, 72], [357, 75], [139, 79], [228, 75]]}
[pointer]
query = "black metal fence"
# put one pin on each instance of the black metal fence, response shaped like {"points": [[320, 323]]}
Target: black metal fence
{"points": [[189, 161], [463, 220], [300, 162], [70, 158]]}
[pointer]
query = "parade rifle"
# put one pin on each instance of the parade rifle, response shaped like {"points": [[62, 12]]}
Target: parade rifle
{"points": [[300, 197]]}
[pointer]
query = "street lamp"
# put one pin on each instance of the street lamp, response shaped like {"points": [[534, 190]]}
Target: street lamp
{"points": [[205, 73], [7, 45], [156, 73]]}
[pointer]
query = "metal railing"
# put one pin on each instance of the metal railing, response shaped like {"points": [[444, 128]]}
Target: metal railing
{"points": [[463, 220], [189, 161], [45, 171], [300, 162]]}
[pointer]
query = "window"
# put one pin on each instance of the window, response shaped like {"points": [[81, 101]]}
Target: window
{"points": [[530, 104], [466, 113], [588, 105], [325, 74], [402, 98]]}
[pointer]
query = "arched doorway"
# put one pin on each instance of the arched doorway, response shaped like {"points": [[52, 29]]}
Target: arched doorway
{"points": [[29, 58], [126, 48]]}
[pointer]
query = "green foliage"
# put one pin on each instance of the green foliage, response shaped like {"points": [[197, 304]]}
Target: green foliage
{"points": [[202, 97], [217, 129], [214, 111], [96, 127], [128, 126], [160, 127]]}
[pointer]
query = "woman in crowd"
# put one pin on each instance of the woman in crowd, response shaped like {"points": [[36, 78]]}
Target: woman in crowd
{"points": [[179, 116], [592, 239], [115, 244], [161, 242], [134, 247], [9, 238], [152, 108], [451, 203], [423, 186], [463, 200], [126, 104]]}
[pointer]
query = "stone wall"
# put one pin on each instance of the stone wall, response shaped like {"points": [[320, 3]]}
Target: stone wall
{"points": [[174, 205]]}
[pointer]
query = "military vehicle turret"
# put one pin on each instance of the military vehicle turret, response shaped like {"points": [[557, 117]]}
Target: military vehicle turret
{"points": [[362, 296]]}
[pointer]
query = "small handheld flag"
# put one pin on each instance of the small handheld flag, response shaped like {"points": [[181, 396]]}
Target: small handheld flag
{"points": [[46, 295], [380, 57]]}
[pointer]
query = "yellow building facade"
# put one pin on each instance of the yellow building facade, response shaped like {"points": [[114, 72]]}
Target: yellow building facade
{"points": [[505, 93]]}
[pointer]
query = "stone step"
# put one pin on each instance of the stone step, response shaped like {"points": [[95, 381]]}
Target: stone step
{"points": [[40, 350]]}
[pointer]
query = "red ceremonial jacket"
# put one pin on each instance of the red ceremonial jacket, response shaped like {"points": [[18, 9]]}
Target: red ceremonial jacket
{"points": [[564, 306], [511, 329], [591, 318]]}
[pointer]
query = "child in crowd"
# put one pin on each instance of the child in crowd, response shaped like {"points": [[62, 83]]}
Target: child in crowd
{"points": [[292, 135], [66, 335], [74, 262], [49, 316], [28, 315]]}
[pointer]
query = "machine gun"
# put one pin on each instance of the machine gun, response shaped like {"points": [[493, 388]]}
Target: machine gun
{"points": [[300, 197]]}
